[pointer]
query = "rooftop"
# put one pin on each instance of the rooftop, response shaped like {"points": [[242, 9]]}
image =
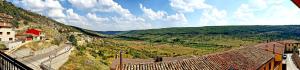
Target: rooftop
{"points": [[275, 47], [5, 25]]}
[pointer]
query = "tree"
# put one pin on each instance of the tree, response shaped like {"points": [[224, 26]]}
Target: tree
{"points": [[15, 23], [57, 41], [26, 22], [72, 39]]}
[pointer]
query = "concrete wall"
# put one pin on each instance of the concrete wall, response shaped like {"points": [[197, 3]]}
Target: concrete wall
{"points": [[13, 45]]}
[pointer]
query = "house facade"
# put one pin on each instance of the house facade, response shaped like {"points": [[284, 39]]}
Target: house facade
{"points": [[7, 33], [34, 34]]}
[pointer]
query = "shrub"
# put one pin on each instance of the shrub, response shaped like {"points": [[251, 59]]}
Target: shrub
{"points": [[2, 47], [57, 40], [25, 22]]}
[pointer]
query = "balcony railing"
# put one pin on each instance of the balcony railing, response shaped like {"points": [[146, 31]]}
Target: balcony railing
{"points": [[9, 63]]}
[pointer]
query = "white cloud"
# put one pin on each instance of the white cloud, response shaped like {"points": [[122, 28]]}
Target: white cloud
{"points": [[213, 17], [243, 13], [100, 6], [123, 21], [95, 18], [151, 14], [188, 5], [51, 8], [267, 12], [210, 16], [56, 13], [163, 19], [178, 18], [75, 19], [83, 3]]}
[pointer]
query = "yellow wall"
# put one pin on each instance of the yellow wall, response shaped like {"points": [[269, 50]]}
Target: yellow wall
{"points": [[278, 57], [268, 66], [271, 65]]}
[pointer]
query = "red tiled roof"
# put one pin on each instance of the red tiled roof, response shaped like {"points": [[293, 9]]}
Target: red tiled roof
{"points": [[34, 32], [275, 47], [248, 58]]}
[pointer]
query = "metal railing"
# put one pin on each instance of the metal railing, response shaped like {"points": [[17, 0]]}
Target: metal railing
{"points": [[9, 63]]}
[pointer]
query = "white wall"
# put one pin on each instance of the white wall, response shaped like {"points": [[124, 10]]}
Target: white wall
{"points": [[13, 45], [5, 36]]}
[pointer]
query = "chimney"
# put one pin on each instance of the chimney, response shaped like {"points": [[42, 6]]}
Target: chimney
{"points": [[121, 64], [273, 48], [158, 59]]}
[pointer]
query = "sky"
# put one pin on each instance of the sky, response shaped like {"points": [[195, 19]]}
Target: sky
{"points": [[123, 15]]}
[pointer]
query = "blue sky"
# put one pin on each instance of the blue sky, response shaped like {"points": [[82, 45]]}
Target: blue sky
{"points": [[121, 15]]}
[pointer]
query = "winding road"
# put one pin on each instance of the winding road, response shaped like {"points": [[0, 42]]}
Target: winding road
{"points": [[35, 60]]}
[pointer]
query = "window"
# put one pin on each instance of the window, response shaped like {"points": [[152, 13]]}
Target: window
{"points": [[10, 39], [8, 33], [0, 33]]}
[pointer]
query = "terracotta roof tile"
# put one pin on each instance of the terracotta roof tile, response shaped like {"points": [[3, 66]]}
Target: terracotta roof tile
{"points": [[247, 58], [3, 24], [275, 47]]}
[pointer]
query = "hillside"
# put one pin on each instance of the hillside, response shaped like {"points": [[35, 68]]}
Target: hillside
{"points": [[214, 35], [268, 32]]}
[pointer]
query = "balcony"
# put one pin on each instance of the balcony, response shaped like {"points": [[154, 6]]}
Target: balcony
{"points": [[9, 63]]}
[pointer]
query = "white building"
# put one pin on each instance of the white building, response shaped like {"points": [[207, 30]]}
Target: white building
{"points": [[7, 33]]}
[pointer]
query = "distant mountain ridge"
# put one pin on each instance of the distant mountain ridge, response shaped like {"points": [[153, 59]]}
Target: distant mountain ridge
{"points": [[210, 36], [110, 32]]}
